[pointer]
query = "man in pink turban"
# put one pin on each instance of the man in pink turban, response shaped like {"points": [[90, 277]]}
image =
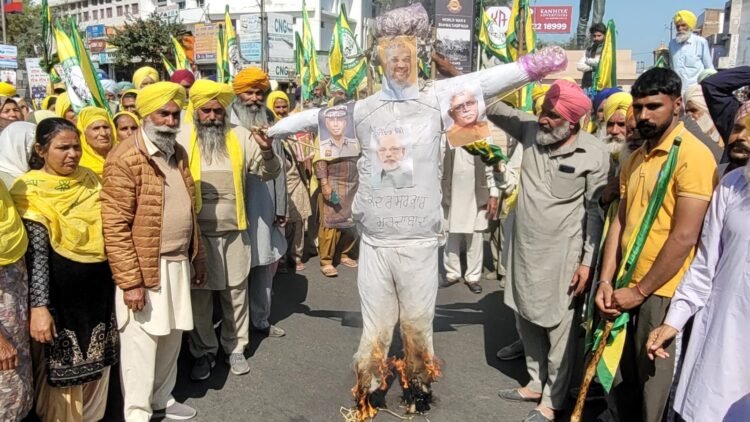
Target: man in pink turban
{"points": [[185, 78], [556, 232]]}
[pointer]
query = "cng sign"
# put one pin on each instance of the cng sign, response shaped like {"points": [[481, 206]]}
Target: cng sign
{"points": [[280, 38]]}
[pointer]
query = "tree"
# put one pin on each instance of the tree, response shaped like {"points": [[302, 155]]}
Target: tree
{"points": [[24, 30], [141, 42], [570, 44]]}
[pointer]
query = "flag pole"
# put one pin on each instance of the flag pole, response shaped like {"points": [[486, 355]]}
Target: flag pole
{"points": [[589, 374]]}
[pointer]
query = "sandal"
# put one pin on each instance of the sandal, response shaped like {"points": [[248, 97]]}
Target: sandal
{"points": [[329, 271], [299, 266], [348, 262], [514, 394]]}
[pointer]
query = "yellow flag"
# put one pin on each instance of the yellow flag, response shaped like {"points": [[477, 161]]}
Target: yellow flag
{"points": [[180, 58], [345, 60], [75, 82]]}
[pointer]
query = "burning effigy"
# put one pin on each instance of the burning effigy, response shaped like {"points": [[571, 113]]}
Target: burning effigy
{"points": [[397, 208]]}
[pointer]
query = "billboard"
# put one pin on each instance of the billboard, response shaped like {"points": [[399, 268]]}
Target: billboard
{"points": [[249, 30], [280, 37], [8, 56], [95, 32], [38, 80], [205, 43], [454, 23], [552, 19]]}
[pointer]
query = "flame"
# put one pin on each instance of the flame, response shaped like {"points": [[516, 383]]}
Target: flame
{"points": [[376, 364], [365, 410], [400, 366]]}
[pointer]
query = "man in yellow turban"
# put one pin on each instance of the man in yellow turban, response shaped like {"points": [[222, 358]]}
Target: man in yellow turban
{"points": [[7, 90], [145, 76], [689, 52], [615, 117], [220, 159], [153, 245]]}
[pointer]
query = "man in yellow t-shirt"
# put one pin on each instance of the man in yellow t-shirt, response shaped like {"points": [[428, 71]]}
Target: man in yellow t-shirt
{"points": [[644, 389]]}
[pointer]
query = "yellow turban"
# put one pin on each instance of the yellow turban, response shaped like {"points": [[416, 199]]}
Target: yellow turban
{"points": [[90, 158], [686, 17], [204, 91], [156, 96], [619, 101], [537, 95], [142, 73], [46, 100], [7, 89], [62, 105], [271, 100], [250, 77]]}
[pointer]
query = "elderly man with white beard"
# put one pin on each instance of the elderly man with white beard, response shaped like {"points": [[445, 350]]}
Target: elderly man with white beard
{"points": [[152, 239], [689, 52], [555, 236], [220, 159], [267, 209]]}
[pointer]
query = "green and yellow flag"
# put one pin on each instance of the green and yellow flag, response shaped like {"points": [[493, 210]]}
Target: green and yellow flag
{"points": [[606, 73], [180, 58], [87, 67], [230, 49], [490, 37], [309, 57], [520, 40], [222, 68], [347, 63], [607, 366], [75, 82], [167, 65]]}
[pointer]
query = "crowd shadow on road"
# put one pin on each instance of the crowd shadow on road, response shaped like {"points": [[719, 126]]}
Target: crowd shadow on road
{"points": [[289, 294]]}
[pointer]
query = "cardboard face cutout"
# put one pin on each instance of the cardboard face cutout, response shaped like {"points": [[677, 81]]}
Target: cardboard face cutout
{"points": [[336, 130], [398, 58], [394, 165], [463, 112]]}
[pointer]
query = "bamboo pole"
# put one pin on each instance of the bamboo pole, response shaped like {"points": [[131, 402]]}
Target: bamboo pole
{"points": [[589, 374]]}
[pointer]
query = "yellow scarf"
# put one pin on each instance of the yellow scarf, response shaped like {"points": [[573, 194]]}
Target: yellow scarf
{"points": [[13, 240], [237, 159], [68, 207], [89, 157]]}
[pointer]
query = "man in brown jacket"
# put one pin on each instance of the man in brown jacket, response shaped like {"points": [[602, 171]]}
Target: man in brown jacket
{"points": [[153, 244]]}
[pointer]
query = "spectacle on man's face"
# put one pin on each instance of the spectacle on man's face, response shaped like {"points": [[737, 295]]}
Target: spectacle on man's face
{"points": [[390, 152], [464, 109], [336, 125], [399, 65]]}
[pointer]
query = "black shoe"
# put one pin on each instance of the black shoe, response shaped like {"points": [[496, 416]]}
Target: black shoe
{"points": [[475, 287], [444, 282]]}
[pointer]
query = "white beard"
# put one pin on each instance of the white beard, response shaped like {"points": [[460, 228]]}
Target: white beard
{"points": [[682, 37], [250, 115], [212, 139], [164, 137], [558, 134]]}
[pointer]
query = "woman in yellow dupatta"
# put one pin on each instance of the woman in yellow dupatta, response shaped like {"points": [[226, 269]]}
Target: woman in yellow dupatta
{"points": [[16, 394], [72, 291], [126, 125], [98, 137]]}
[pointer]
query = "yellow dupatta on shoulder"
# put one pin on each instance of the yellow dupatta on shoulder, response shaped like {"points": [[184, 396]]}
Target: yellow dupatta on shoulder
{"points": [[237, 159], [13, 239], [68, 207]]}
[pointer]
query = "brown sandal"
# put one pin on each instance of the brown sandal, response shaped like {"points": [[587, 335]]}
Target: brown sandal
{"points": [[349, 262], [329, 271]]}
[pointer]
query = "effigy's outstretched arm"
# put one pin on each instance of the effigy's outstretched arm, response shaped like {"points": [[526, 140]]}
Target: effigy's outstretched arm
{"points": [[304, 121], [505, 78]]}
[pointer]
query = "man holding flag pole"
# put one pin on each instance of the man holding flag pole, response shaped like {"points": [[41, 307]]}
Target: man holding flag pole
{"points": [[664, 200]]}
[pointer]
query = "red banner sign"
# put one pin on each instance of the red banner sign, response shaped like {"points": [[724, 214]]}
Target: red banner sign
{"points": [[97, 46], [552, 19]]}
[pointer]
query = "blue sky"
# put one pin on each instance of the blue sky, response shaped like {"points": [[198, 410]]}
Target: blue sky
{"points": [[641, 24]]}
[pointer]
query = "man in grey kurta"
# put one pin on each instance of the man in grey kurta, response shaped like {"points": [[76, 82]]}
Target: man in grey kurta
{"points": [[555, 236]]}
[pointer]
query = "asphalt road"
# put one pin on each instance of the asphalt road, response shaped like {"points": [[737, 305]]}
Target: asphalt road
{"points": [[307, 375]]}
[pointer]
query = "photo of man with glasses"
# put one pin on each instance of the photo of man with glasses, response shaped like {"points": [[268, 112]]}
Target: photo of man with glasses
{"points": [[467, 114]]}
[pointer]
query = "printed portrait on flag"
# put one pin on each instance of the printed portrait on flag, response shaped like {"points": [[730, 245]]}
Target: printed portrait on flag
{"points": [[394, 167], [463, 112], [336, 129], [398, 57]]}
